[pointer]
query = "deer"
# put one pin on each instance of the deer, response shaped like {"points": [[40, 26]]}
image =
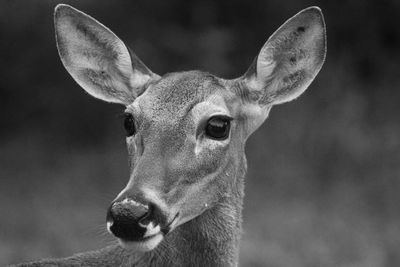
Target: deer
{"points": [[185, 134]]}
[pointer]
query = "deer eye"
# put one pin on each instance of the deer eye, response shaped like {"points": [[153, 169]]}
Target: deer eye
{"points": [[129, 124], [218, 127]]}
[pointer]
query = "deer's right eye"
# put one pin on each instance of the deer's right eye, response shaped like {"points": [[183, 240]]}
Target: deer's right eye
{"points": [[129, 124], [218, 127]]}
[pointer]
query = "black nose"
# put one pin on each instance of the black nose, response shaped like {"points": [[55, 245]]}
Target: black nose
{"points": [[124, 218]]}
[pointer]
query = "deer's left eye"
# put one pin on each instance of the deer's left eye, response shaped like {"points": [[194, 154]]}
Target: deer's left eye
{"points": [[218, 127], [129, 124]]}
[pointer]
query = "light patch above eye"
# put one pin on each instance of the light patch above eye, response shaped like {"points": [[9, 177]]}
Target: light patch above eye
{"points": [[212, 106]]}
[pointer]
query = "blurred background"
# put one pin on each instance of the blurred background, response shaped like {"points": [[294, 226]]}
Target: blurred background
{"points": [[323, 186]]}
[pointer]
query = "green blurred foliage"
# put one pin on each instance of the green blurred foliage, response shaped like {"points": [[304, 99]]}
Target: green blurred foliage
{"points": [[324, 173]]}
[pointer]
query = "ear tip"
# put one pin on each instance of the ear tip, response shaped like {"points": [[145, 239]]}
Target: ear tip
{"points": [[313, 16], [315, 9], [312, 10], [320, 21], [312, 13], [64, 10]]}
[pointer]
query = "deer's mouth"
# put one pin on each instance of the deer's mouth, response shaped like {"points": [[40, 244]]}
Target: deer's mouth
{"points": [[171, 225]]}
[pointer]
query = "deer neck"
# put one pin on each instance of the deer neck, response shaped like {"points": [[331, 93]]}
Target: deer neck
{"points": [[211, 239]]}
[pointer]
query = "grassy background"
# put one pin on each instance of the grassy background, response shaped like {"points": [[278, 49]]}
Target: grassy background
{"points": [[324, 173]]}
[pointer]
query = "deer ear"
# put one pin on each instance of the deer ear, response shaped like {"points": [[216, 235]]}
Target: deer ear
{"points": [[289, 60], [97, 59]]}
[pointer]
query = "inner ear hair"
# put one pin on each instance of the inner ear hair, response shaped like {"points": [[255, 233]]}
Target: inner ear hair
{"points": [[289, 60], [97, 59]]}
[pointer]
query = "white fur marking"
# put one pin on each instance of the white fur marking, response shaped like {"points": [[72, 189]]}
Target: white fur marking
{"points": [[208, 144], [149, 244], [109, 224], [151, 230]]}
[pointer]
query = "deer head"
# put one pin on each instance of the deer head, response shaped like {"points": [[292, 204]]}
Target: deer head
{"points": [[186, 131]]}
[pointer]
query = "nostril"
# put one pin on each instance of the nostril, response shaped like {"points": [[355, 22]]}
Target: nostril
{"points": [[123, 219], [127, 209]]}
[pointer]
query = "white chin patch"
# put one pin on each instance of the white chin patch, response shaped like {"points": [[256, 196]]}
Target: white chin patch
{"points": [[108, 227], [152, 230], [149, 243]]}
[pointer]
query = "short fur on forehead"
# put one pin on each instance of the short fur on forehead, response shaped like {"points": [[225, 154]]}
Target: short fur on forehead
{"points": [[178, 92]]}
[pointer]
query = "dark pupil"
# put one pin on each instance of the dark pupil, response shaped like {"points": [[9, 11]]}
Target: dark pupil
{"points": [[129, 125], [218, 128]]}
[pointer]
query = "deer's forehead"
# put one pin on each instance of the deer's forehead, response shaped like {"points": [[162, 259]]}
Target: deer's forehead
{"points": [[176, 94]]}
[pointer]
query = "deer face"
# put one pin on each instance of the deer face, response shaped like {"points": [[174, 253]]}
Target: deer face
{"points": [[185, 143], [185, 131]]}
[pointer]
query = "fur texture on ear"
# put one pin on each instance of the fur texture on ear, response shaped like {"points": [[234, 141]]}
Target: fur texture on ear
{"points": [[97, 59], [289, 60]]}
